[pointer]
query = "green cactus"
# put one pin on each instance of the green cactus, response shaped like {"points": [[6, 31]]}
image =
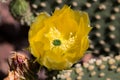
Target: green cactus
{"points": [[104, 68], [20, 9]]}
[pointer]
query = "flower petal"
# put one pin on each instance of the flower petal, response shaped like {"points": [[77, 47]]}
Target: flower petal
{"points": [[37, 25]]}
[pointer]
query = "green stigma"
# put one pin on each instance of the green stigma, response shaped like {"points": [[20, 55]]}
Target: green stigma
{"points": [[56, 42]]}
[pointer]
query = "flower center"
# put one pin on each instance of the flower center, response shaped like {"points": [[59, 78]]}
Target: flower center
{"points": [[56, 42]]}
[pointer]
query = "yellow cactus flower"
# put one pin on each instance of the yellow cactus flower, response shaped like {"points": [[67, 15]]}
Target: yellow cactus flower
{"points": [[60, 40]]}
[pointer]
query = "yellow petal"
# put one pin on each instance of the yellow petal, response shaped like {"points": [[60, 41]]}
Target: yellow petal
{"points": [[37, 25], [63, 16], [84, 25], [61, 11]]}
